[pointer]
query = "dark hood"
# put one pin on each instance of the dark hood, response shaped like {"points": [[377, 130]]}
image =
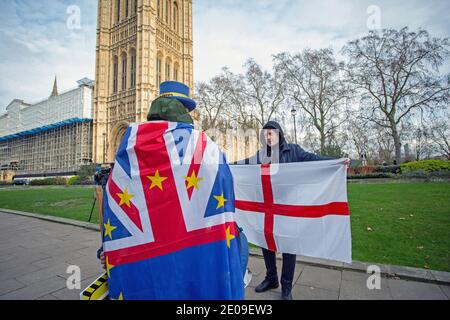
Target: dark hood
{"points": [[273, 125], [266, 154]]}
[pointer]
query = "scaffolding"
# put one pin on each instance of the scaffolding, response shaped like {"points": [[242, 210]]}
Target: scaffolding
{"points": [[21, 116], [50, 137], [56, 150]]}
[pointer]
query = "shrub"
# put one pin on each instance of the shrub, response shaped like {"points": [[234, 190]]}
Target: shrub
{"points": [[78, 181], [426, 165], [441, 174], [43, 182], [388, 169], [87, 181], [75, 180], [60, 181], [86, 171], [372, 176], [422, 174]]}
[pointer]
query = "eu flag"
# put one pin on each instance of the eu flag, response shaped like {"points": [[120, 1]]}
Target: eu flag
{"points": [[169, 228]]}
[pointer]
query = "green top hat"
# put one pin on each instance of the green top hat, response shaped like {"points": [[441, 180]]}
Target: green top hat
{"points": [[169, 110]]}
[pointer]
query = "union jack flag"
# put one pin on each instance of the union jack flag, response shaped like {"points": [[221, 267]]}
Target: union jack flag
{"points": [[169, 229]]}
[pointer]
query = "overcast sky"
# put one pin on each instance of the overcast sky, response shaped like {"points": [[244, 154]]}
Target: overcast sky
{"points": [[39, 39]]}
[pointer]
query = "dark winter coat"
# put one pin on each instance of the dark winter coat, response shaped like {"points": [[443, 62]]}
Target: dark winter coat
{"points": [[286, 153]]}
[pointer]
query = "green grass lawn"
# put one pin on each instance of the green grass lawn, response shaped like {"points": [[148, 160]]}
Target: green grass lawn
{"points": [[68, 202], [401, 223], [410, 224]]}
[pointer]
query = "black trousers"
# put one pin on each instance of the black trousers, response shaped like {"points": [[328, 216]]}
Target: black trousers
{"points": [[287, 274]]}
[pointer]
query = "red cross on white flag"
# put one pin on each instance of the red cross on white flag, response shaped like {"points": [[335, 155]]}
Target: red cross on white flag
{"points": [[297, 208]]}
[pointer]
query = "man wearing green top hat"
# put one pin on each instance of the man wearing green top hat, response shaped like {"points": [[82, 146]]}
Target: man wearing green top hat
{"points": [[173, 104]]}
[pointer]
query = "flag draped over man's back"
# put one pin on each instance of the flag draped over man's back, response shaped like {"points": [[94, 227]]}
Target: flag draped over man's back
{"points": [[169, 230], [297, 208]]}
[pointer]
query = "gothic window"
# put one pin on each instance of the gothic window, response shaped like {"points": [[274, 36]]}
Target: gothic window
{"points": [[133, 69], [126, 8], [124, 72], [175, 72], [115, 74], [175, 16], [158, 71], [158, 9], [135, 6], [118, 11], [167, 70], [167, 10]]}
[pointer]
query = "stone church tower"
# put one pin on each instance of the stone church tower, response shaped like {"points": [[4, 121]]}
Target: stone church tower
{"points": [[140, 43]]}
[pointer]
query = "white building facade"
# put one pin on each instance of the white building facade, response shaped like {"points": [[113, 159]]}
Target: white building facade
{"points": [[48, 138]]}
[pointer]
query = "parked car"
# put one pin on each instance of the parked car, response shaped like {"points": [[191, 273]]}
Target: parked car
{"points": [[21, 182]]}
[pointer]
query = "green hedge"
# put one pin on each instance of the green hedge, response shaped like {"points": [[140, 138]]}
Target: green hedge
{"points": [[79, 181], [48, 182], [388, 169], [74, 181], [371, 176], [422, 174], [426, 165]]}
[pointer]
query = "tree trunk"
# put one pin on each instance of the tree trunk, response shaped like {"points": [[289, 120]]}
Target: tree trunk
{"points": [[397, 144], [322, 143]]}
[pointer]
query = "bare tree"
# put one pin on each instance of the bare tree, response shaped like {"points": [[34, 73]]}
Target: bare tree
{"points": [[421, 146], [313, 82], [213, 99], [397, 73], [360, 135], [440, 133], [255, 97], [240, 112], [384, 145], [264, 93]]}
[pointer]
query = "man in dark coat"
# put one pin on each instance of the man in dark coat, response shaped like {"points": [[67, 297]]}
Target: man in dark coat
{"points": [[276, 150]]}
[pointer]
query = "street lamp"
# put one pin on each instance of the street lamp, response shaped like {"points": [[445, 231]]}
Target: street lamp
{"points": [[104, 147], [294, 113]]}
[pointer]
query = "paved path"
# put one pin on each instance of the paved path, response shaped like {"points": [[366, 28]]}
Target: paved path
{"points": [[35, 254]]}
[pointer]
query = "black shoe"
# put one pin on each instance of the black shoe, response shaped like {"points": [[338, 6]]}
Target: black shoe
{"points": [[286, 294], [266, 285]]}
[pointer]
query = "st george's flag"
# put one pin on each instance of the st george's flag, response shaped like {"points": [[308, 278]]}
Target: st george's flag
{"points": [[297, 208], [169, 229]]}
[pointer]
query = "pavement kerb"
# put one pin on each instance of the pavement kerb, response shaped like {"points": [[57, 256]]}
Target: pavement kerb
{"points": [[76, 223], [388, 271]]}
